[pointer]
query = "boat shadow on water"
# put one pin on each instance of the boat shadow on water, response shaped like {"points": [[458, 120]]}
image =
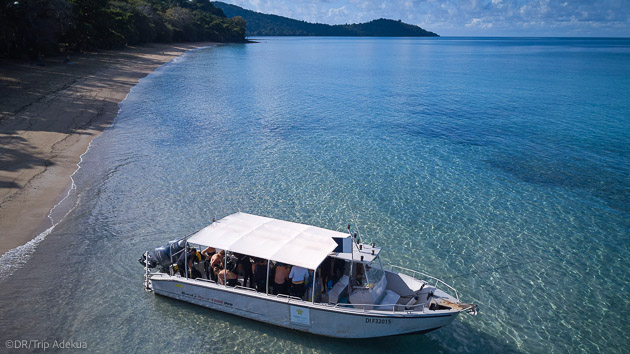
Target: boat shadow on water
{"points": [[231, 332]]}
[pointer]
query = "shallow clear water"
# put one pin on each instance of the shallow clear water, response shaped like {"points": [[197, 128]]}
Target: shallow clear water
{"points": [[499, 165]]}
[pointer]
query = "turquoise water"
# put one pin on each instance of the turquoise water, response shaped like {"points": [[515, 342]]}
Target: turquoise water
{"points": [[501, 166]]}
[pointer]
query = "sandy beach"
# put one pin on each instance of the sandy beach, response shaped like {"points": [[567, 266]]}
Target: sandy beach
{"points": [[48, 116]]}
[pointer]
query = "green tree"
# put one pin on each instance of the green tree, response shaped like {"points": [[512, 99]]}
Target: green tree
{"points": [[36, 27]]}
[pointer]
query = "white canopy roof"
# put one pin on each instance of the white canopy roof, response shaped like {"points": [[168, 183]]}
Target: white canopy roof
{"points": [[281, 241]]}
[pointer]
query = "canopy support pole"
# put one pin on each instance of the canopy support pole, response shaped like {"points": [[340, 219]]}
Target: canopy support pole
{"points": [[267, 282], [186, 259], [170, 252], [314, 280]]}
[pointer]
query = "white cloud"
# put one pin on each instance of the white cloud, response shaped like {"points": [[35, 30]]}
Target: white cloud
{"points": [[255, 3], [479, 23], [337, 11]]}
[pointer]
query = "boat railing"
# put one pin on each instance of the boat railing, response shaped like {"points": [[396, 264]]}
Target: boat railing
{"points": [[244, 288], [376, 306], [421, 274], [289, 297]]}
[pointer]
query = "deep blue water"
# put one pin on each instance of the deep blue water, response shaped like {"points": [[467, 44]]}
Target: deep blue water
{"points": [[501, 165]]}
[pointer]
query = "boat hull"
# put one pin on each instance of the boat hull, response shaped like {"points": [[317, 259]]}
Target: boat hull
{"points": [[320, 319]]}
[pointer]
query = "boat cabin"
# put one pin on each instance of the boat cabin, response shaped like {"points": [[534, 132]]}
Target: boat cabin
{"points": [[346, 272]]}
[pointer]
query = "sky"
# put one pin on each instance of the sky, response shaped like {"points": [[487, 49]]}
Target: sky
{"points": [[554, 18]]}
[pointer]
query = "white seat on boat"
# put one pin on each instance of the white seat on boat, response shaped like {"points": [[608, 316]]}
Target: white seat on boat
{"points": [[337, 289], [390, 298]]}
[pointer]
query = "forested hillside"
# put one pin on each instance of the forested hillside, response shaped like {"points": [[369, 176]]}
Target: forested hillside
{"points": [[259, 24], [35, 27]]}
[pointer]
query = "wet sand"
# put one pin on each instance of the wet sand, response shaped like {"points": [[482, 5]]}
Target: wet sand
{"points": [[48, 116]]}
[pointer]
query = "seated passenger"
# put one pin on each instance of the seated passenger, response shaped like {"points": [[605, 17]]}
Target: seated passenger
{"points": [[223, 274], [298, 277], [281, 280]]}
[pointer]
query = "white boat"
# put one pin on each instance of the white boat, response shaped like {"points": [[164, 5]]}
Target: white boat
{"points": [[365, 301]]}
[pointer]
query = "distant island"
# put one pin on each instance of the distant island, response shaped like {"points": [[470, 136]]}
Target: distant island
{"points": [[259, 24]]}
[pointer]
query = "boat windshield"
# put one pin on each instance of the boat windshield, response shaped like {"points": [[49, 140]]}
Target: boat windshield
{"points": [[374, 271]]}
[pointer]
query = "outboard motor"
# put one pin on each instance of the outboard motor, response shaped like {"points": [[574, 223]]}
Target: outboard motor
{"points": [[163, 253], [161, 256]]}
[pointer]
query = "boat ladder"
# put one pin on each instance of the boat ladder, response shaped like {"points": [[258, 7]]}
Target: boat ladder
{"points": [[147, 278]]}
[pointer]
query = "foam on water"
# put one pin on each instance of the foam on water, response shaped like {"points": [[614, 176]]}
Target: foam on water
{"points": [[17, 257]]}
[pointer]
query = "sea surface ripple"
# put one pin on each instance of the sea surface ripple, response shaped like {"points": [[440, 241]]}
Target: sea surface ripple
{"points": [[500, 165]]}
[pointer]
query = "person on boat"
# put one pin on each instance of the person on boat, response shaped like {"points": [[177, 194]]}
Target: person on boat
{"points": [[281, 280], [197, 266], [217, 261], [359, 273], [225, 274], [326, 273], [245, 267], [309, 285], [298, 277], [181, 261], [339, 266], [260, 275], [208, 252]]}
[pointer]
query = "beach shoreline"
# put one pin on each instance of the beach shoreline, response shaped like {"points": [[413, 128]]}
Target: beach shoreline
{"points": [[48, 117]]}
